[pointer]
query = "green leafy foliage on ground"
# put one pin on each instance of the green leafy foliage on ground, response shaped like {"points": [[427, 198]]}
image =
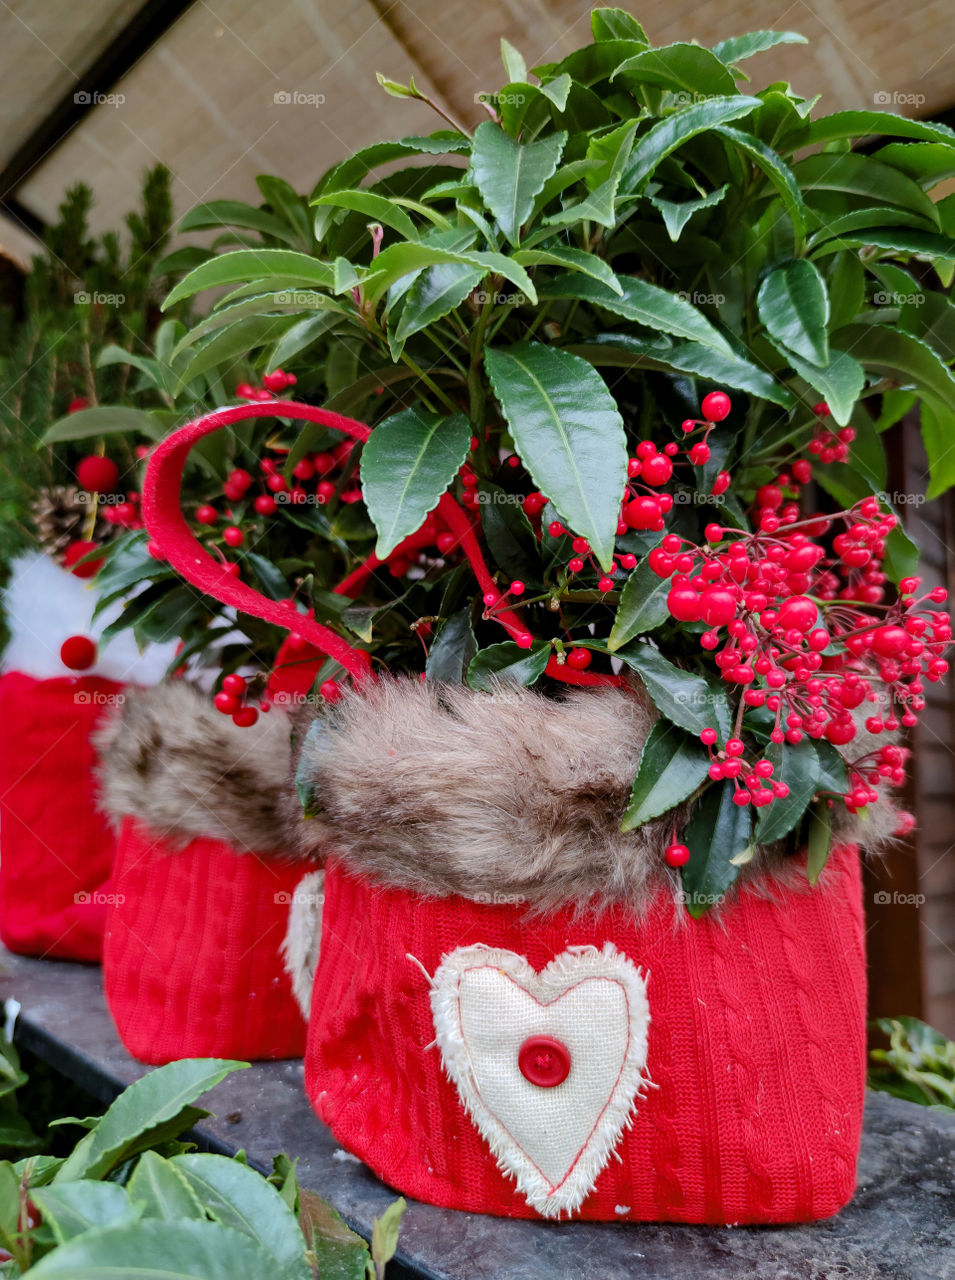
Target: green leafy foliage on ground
{"points": [[918, 1065]]}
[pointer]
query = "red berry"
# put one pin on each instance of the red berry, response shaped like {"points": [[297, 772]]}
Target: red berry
{"points": [[889, 642], [742, 797], [76, 551], [206, 515], [684, 604], [688, 425], [575, 565], [245, 717], [699, 454], [721, 483], [821, 410], [716, 406], [676, 855], [713, 533], [605, 584], [523, 640], [798, 613], [275, 381], [581, 546], [802, 471], [330, 690], [97, 475], [235, 685], [657, 469], [717, 606], [227, 703], [80, 403], [660, 562], [840, 732], [579, 659], [708, 737], [555, 529], [734, 747], [517, 588], [78, 653], [643, 513], [265, 505], [239, 479], [233, 536]]}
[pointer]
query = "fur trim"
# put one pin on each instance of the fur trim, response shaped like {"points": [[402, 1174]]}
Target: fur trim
{"points": [[173, 762], [301, 945], [501, 797]]}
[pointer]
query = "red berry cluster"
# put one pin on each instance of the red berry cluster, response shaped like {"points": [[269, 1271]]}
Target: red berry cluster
{"points": [[826, 445], [752, 781], [272, 384], [231, 701]]}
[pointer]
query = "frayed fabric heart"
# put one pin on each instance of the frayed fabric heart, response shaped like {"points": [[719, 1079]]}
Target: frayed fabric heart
{"points": [[549, 1065]]}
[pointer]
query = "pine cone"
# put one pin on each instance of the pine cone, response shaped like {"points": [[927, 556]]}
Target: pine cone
{"points": [[60, 513]]}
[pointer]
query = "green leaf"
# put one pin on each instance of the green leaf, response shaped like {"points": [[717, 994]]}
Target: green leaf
{"points": [[798, 767], [569, 434], [778, 173], [508, 533], [508, 662], [937, 438], [575, 259], [677, 213], [794, 306], [904, 359], [251, 264], [718, 832], [860, 176], [672, 766], [676, 129], [846, 289], [235, 342], [615, 24], [377, 208], [384, 1234], [400, 260], [643, 606], [515, 68], [407, 464], [155, 1101], [611, 152], [833, 775], [681, 696], [158, 1251], [233, 213], [435, 292], [645, 304], [105, 420], [509, 174], [860, 124], [738, 48], [299, 337], [930, 316], [242, 1199], [687, 68], [820, 840], [840, 382], [79, 1206], [340, 1253], [160, 1189], [452, 650]]}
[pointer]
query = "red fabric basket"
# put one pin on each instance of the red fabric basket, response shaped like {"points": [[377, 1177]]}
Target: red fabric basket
{"points": [[755, 1049], [57, 850], [191, 963]]}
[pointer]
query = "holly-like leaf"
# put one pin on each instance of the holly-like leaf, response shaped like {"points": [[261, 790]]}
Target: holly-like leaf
{"points": [[819, 841], [677, 213], [676, 129], [507, 661], [452, 650], [794, 306], [687, 68], [407, 464], [376, 207], [901, 555], [435, 292], [681, 696], [252, 264], [672, 766], [738, 48], [643, 606], [779, 174], [509, 174], [569, 434], [615, 24], [840, 382], [77, 1207], [718, 832], [798, 766], [508, 533]]}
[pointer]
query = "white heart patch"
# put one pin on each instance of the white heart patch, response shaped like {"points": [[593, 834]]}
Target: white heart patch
{"points": [[588, 1011]]}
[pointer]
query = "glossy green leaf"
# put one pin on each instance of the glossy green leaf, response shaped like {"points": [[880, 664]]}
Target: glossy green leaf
{"points": [[860, 176], [840, 382], [155, 1100], [738, 48], [610, 153], [930, 316], [902, 240], [718, 832], [435, 292], [798, 767], [286, 203], [160, 1189], [646, 304], [904, 359], [105, 420], [384, 1234], [407, 464], [779, 174], [235, 342], [794, 306], [452, 649], [587, 264], [643, 606], [681, 696], [677, 213], [686, 68], [672, 766], [233, 213], [615, 24], [846, 289], [937, 434], [819, 841], [400, 260], [158, 1251], [242, 1199], [251, 264], [515, 68], [80, 1206], [299, 337], [509, 174], [339, 1252], [508, 662], [833, 775], [676, 129], [569, 434], [508, 533], [857, 124], [376, 207]]}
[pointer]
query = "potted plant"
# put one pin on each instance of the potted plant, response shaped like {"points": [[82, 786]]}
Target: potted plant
{"points": [[622, 358]]}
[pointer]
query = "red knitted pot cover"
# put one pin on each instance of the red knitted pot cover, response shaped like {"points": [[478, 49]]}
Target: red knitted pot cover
{"points": [[191, 964], [755, 1049], [57, 851]]}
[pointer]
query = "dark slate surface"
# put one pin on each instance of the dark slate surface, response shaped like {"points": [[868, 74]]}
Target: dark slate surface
{"points": [[901, 1225]]}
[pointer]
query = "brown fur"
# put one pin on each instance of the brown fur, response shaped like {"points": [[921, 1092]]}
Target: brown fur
{"points": [[171, 760], [498, 797]]}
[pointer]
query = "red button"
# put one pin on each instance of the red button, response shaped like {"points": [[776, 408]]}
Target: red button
{"points": [[544, 1061]]}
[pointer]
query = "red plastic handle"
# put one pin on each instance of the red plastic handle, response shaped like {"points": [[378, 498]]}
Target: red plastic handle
{"points": [[162, 515]]}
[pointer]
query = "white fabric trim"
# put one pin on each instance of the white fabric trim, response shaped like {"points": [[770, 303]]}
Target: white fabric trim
{"points": [[555, 1141], [303, 936]]}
